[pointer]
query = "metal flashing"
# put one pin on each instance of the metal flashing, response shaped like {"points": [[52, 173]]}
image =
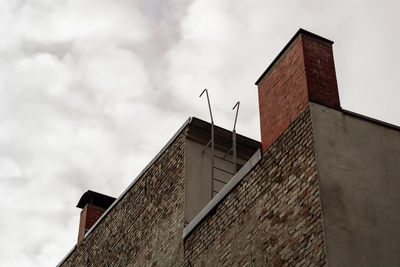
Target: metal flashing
{"points": [[66, 256]]}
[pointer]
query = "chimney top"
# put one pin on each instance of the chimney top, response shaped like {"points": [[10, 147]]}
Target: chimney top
{"points": [[94, 198], [288, 45], [303, 72]]}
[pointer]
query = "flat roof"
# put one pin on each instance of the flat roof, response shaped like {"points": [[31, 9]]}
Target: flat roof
{"points": [[200, 131]]}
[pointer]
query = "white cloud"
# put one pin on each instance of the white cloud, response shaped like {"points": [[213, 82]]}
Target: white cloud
{"points": [[9, 168], [59, 21], [91, 90]]}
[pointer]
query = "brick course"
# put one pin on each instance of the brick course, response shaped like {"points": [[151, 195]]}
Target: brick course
{"points": [[273, 217]]}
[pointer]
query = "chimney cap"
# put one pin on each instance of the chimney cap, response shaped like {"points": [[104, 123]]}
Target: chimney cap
{"points": [[299, 32], [97, 199]]}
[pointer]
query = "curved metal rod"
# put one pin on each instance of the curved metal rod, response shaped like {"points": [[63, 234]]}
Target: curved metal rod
{"points": [[237, 111], [234, 136], [212, 144], [209, 105]]}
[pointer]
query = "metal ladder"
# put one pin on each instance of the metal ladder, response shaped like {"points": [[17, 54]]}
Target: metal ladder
{"points": [[213, 155]]}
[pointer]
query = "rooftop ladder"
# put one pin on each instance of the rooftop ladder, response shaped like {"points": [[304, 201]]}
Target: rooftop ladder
{"points": [[211, 143]]}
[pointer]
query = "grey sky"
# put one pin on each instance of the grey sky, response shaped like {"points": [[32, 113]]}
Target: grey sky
{"points": [[91, 90]]}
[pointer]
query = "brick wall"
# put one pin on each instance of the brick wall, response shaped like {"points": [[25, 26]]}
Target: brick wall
{"points": [[282, 94], [321, 74], [303, 72], [82, 225], [146, 225], [89, 215], [93, 213], [273, 216]]}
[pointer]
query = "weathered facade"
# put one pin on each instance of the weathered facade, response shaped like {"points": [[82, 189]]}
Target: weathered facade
{"points": [[359, 172], [146, 224], [273, 216], [320, 189]]}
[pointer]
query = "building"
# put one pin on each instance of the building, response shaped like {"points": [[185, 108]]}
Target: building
{"points": [[321, 188]]}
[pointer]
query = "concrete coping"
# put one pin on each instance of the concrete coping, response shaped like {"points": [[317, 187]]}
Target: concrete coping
{"points": [[223, 193]]}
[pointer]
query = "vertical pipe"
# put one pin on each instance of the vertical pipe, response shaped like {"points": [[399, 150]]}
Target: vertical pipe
{"points": [[212, 143], [234, 149], [234, 136], [212, 159]]}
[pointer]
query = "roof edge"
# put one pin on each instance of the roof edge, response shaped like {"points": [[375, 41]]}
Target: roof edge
{"points": [[363, 117], [240, 137], [165, 147], [370, 119], [297, 34]]}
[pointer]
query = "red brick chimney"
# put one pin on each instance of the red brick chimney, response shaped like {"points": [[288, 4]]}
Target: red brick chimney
{"points": [[303, 71], [93, 205]]}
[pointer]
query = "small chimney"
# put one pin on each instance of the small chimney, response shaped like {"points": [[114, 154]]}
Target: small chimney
{"points": [[93, 205], [303, 71]]}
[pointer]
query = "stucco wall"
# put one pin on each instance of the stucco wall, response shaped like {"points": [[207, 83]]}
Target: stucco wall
{"points": [[198, 176], [359, 169]]}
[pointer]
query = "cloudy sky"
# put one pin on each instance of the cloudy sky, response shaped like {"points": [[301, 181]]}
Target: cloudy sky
{"points": [[91, 90]]}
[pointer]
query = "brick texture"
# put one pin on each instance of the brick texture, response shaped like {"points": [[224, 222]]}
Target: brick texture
{"points": [[145, 227], [321, 74], [282, 95], [304, 72], [93, 213], [273, 216], [89, 215]]}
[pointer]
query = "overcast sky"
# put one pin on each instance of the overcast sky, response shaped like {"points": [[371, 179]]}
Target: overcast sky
{"points": [[91, 90]]}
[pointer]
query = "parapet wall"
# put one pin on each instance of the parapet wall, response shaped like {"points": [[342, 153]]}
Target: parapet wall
{"points": [[359, 169], [273, 216], [145, 227]]}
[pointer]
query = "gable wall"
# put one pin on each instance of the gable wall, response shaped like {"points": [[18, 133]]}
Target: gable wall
{"points": [[146, 225]]}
